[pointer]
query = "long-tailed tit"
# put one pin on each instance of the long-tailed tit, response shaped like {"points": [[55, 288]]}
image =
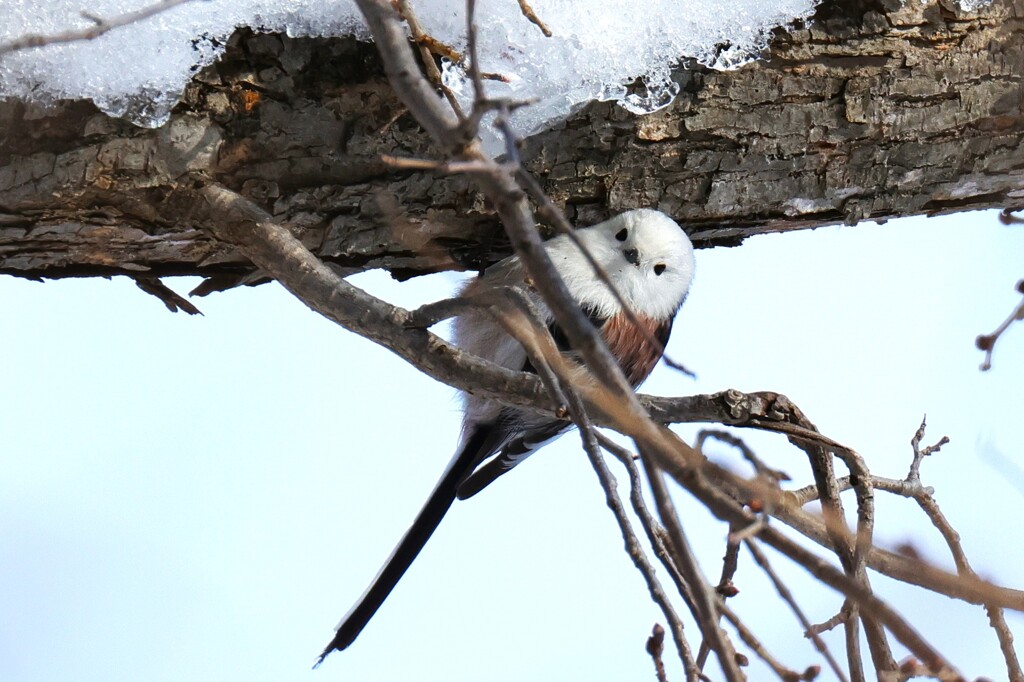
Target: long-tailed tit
{"points": [[649, 259]]}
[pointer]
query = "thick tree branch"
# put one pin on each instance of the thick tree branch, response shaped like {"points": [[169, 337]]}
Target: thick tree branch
{"points": [[879, 111], [275, 250]]}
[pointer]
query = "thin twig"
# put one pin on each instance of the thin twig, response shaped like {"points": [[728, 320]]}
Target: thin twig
{"points": [[924, 498], [479, 166], [679, 461], [725, 587], [912, 487], [787, 596], [400, 66], [429, 45], [852, 557], [656, 534], [825, 626], [748, 454], [100, 26], [914, 475], [528, 12], [730, 563], [633, 547], [655, 647], [525, 327], [429, 314], [783, 672], [987, 342], [704, 596], [544, 355]]}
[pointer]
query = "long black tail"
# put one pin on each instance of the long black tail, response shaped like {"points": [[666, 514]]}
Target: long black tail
{"points": [[483, 441]]}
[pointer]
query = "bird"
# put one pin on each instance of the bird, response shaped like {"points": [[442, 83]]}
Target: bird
{"points": [[649, 259]]}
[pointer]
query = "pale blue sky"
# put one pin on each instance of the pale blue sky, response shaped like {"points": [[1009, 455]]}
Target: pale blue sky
{"points": [[202, 498]]}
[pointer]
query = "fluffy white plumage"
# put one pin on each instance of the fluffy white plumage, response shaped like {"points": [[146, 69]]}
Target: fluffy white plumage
{"points": [[649, 260], [654, 287]]}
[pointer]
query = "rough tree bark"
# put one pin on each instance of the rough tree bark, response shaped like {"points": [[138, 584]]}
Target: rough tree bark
{"points": [[871, 111]]}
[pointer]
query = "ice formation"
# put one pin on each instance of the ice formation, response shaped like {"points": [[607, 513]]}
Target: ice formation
{"points": [[620, 50]]}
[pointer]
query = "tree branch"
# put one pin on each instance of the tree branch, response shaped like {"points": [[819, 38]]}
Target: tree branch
{"points": [[99, 27], [987, 342]]}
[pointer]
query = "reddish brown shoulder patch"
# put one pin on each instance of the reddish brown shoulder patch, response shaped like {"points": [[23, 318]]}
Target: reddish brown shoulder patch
{"points": [[636, 355]]}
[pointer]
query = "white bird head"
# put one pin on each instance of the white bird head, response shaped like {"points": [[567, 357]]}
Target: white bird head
{"points": [[647, 256]]}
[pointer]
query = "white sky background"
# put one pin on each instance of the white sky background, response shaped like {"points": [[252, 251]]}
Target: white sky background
{"points": [[203, 497]]}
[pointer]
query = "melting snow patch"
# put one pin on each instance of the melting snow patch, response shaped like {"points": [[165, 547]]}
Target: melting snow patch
{"points": [[619, 50]]}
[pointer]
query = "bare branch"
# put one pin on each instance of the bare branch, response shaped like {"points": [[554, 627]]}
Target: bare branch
{"points": [[171, 299], [500, 187], [403, 72], [746, 634], [760, 467], [923, 497], [275, 250], [282, 256], [987, 342], [831, 623], [913, 488], [656, 534], [428, 46], [99, 27], [655, 646], [536, 340], [914, 475], [704, 597], [677, 460], [635, 551], [528, 12], [610, 396], [853, 558], [522, 322], [790, 600]]}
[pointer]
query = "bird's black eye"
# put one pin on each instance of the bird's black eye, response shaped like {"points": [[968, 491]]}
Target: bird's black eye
{"points": [[622, 234], [659, 268]]}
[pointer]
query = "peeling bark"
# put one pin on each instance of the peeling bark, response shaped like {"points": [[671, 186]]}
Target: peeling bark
{"points": [[872, 111]]}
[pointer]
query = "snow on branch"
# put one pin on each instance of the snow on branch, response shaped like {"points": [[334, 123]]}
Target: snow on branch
{"points": [[618, 50]]}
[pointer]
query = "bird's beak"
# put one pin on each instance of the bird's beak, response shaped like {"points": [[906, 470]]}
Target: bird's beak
{"points": [[632, 255]]}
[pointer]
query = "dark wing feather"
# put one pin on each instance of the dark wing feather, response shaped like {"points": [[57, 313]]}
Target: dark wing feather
{"points": [[513, 441], [481, 443], [512, 454], [523, 446], [637, 357]]}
